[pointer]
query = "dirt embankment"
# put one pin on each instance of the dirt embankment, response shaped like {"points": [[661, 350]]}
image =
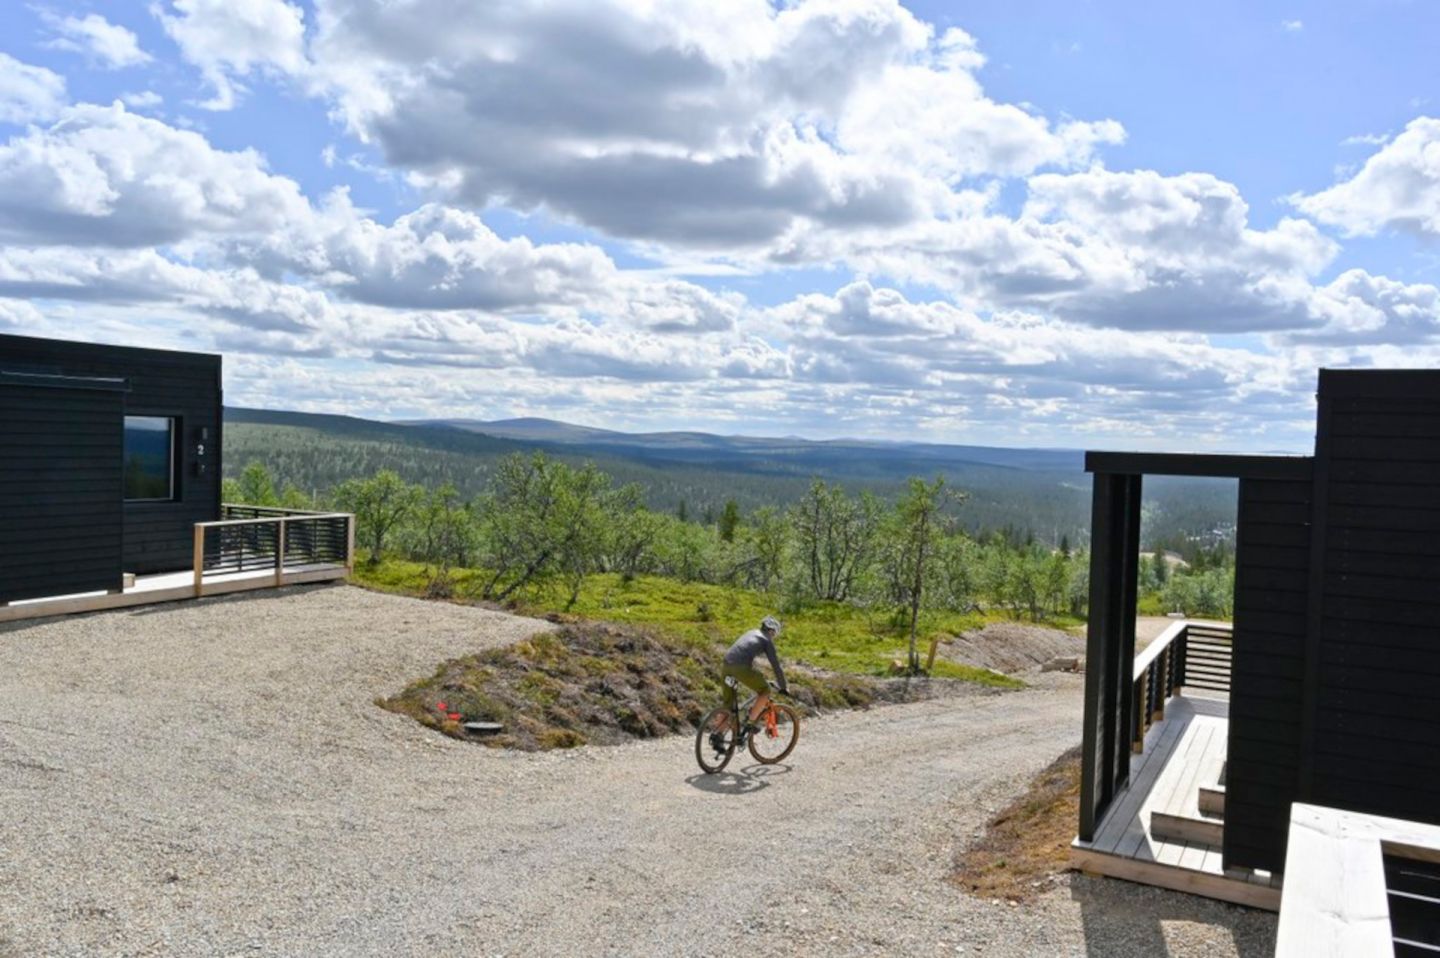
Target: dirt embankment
{"points": [[1013, 647], [600, 683]]}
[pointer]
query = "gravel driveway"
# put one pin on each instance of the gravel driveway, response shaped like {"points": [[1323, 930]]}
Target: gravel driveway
{"points": [[212, 778]]}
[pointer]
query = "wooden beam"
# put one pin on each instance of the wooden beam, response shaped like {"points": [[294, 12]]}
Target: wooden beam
{"points": [[100, 602], [1183, 828], [1185, 464], [199, 558], [280, 553], [1176, 878]]}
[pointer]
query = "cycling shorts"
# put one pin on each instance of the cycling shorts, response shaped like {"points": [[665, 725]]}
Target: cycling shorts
{"points": [[746, 675]]}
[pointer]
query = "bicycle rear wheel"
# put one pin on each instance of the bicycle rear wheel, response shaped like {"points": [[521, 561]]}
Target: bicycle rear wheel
{"points": [[717, 723], [773, 741]]}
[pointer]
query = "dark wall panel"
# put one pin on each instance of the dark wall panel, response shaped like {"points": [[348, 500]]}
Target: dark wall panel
{"points": [[1271, 595], [158, 536], [1374, 707], [60, 514]]}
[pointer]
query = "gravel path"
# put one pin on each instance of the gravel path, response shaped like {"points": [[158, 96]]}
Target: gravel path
{"points": [[212, 778]]}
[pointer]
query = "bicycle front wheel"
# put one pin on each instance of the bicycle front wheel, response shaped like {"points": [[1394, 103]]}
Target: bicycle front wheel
{"points": [[775, 739], [714, 741]]}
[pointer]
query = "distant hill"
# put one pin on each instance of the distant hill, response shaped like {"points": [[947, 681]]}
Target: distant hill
{"points": [[700, 446], [1041, 491], [544, 430]]}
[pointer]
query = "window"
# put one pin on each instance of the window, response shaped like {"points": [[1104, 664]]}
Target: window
{"points": [[149, 458]]}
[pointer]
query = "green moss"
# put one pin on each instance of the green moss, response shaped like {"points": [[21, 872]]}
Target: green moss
{"points": [[954, 670], [834, 636], [560, 738]]}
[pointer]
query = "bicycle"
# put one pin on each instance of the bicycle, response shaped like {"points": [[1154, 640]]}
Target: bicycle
{"points": [[769, 741]]}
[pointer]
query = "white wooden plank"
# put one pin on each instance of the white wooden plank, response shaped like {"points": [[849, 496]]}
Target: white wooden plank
{"points": [[1335, 900], [1138, 841], [1184, 798], [1194, 856], [1135, 841], [1167, 853]]}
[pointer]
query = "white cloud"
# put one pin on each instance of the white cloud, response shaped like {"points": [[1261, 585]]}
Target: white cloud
{"points": [[228, 40], [142, 100], [685, 124], [864, 360], [28, 93], [110, 44], [1398, 188], [1366, 139], [16, 314], [1364, 310], [1133, 250], [1292, 26], [102, 176]]}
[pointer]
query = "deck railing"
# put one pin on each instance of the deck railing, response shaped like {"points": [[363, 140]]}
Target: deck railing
{"points": [[1193, 654], [261, 538]]}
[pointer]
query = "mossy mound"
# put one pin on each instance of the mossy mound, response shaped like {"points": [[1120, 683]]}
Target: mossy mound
{"points": [[593, 683]]}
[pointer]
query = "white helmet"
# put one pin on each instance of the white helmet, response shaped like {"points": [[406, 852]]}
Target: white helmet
{"points": [[770, 624]]}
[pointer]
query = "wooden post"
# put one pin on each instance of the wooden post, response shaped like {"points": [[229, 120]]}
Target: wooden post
{"points": [[930, 659], [199, 559], [1137, 731], [350, 543], [1162, 684], [280, 552]]}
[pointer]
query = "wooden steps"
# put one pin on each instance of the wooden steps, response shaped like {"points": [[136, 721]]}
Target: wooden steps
{"points": [[1212, 800], [1185, 828]]}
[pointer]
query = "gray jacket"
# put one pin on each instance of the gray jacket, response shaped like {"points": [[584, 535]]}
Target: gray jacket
{"points": [[751, 644]]}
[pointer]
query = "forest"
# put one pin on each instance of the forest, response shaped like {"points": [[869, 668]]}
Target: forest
{"points": [[541, 527], [1025, 495]]}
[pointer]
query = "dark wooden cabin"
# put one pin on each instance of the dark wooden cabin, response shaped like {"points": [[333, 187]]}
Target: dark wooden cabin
{"points": [[109, 455], [1334, 663]]}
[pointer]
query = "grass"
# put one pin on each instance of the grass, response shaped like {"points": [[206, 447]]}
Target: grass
{"points": [[833, 636], [1027, 844]]}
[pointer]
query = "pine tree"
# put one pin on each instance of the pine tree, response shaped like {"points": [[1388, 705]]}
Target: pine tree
{"points": [[729, 520]]}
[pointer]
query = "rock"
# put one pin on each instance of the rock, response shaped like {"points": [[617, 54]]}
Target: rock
{"points": [[1061, 663]]}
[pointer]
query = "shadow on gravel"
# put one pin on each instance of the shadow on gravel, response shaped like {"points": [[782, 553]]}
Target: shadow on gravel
{"points": [[747, 781], [1121, 918]]}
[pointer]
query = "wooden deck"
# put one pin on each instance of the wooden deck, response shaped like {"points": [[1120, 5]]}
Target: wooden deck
{"points": [[1182, 754], [170, 587]]}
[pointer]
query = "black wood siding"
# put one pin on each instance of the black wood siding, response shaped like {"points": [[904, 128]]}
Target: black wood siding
{"points": [[60, 487], [1272, 562], [1373, 703], [157, 536]]}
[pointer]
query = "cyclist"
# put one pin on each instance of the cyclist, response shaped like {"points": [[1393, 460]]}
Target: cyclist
{"points": [[740, 665]]}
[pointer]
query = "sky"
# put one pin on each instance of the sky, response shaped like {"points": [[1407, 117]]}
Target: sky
{"points": [[1020, 223]]}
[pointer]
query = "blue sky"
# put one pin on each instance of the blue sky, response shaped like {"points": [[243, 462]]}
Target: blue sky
{"points": [[1016, 223]]}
